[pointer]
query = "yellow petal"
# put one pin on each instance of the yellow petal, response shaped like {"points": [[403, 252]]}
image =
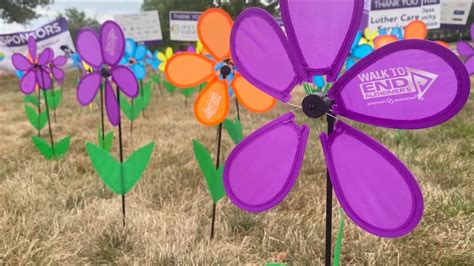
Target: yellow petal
{"points": [[162, 66], [162, 57], [370, 34], [169, 52]]}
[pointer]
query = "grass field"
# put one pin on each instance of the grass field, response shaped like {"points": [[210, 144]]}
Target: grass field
{"points": [[60, 212]]}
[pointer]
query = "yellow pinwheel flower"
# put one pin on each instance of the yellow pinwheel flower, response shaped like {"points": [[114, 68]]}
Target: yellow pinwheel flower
{"points": [[369, 37], [164, 57]]}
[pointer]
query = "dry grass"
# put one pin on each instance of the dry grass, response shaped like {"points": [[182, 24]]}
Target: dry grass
{"points": [[60, 212]]}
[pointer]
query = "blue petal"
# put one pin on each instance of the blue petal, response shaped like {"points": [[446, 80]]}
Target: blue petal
{"points": [[155, 64], [319, 81], [19, 73], [124, 60], [362, 51], [397, 32], [140, 52], [139, 71], [130, 47], [383, 31], [350, 62], [356, 40]]}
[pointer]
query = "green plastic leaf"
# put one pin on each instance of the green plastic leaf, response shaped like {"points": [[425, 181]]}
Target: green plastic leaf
{"points": [[169, 87], [156, 78], [310, 88], [338, 245], [31, 99], [135, 165], [43, 147], [61, 147], [146, 94], [106, 143], [188, 92], [120, 178], [327, 87], [213, 177], [234, 129], [131, 113], [39, 122], [54, 98]]}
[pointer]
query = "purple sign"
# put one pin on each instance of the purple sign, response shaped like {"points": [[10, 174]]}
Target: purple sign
{"points": [[45, 32]]}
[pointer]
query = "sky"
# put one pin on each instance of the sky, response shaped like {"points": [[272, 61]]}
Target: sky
{"points": [[101, 10]]}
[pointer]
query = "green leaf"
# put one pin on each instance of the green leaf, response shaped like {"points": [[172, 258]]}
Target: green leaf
{"points": [[31, 99], [213, 178], [39, 122], [43, 147], [169, 87], [131, 113], [62, 147], [310, 88], [234, 129], [120, 178], [327, 87], [146, 94], [188, 92], [54, 98], [135, 165], [106, 144], [156, 78], [338, 245]]}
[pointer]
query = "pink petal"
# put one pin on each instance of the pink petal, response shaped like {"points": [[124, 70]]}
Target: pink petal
{"points": [[28, 82]]}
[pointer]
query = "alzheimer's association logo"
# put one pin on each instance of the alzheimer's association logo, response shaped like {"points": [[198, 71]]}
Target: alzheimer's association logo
{"points": [[395, 84]]}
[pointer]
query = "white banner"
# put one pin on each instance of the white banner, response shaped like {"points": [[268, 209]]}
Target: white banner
{"points": [[398, 13], [455, 12], [183, 25], [141, 27], [54, 35]]}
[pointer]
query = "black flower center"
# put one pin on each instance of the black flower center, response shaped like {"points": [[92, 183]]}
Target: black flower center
{"points": [[105, 72], [315, 106]]}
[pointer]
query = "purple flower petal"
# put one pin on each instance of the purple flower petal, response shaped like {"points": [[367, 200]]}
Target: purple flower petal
{"points": [[88, 47], [88, 88], [262, 169], [124, 78], [464, 49], [260, 49], [20, 62], [112, 40], [111, 104], [60, 60], [58, 73], [372, 185], [28, 82], [32, 47], [45, 56], [43, 78], [470, 65]]}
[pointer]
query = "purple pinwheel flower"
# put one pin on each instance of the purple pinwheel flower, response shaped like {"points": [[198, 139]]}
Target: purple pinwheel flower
{"points": [[35, 68], [465, 50], [408, 84], [103, 53], [55, 65]]}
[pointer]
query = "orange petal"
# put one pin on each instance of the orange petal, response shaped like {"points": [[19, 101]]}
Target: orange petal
{"points": [[214, 27], [383, 40], [252, 98], [188, 69], [415, 30], [212, 104]]}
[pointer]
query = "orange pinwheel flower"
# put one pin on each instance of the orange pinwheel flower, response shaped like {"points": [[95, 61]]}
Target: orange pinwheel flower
{"points": [[188, 69]]}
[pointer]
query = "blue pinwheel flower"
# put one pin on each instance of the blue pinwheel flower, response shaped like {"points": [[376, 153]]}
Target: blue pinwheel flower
{"points": [[152, 59], [134, 58]]}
